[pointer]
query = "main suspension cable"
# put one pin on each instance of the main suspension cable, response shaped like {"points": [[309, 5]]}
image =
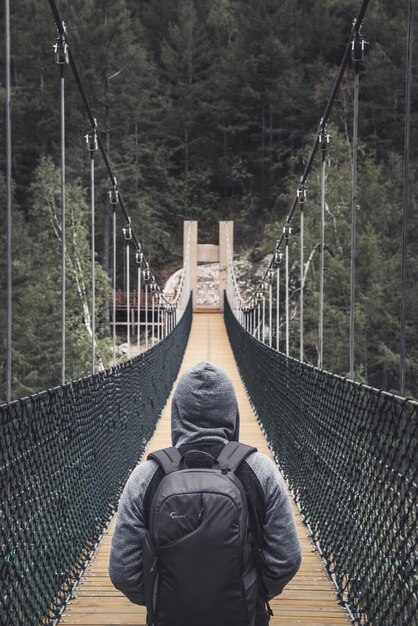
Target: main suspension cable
{"points": [[114, 186], [354, 34]]}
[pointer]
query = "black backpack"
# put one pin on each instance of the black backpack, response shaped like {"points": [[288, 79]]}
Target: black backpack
{"points": [[198, 564]]}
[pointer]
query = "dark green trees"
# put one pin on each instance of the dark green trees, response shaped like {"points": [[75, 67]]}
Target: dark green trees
{"points": [[203, 107]]}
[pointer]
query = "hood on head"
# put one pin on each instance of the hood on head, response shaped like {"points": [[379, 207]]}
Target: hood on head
{"points": [[204, 407]]}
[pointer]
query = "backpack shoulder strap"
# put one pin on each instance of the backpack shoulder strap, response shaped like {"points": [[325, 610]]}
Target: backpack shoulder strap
{"points": [[167, 458], [233, 454]]}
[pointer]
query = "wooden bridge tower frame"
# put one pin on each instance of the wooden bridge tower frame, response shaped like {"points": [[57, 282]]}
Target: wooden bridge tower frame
{"points": [[208, 253]]}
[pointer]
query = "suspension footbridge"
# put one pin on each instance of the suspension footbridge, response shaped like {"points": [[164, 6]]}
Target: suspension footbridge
{"points": [[348, 451], [310, 599]]}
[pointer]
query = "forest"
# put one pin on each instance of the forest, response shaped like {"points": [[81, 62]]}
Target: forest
{"points": [[208, 110]]}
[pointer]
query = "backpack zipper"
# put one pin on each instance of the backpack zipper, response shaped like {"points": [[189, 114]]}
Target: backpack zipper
{"points": [[153, 565]]}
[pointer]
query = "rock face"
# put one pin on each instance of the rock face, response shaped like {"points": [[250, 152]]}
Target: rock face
{"points": [[208, 284], [247, 274]]}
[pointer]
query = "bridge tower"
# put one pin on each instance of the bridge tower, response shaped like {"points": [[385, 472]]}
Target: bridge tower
{"points": [[208, 253]]}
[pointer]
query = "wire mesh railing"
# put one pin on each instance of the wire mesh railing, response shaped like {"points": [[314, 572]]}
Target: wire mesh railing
{"points": [[65, 455], [350, 455]]}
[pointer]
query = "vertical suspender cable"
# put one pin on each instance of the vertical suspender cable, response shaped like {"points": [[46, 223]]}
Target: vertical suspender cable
{"points": [[406, 173], [146, 315], [270, 312], [301, 295], [128, 300], [405, 214], [353, 211], [153, 317], [321, 270], [61, 59], [92, 146], [287, 297], [263, 331], [93, 270], [63, 234], [158, 320], [114, 287], [258, 320], [127, 233], [322, 252], [138, 336], [278, 310], [9, 199], [287, 232]]}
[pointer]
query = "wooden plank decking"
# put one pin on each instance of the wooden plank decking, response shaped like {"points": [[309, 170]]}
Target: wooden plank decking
{"points": [[309, 600]]}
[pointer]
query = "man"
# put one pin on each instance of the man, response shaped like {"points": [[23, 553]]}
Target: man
{"points": [[204, 419]]}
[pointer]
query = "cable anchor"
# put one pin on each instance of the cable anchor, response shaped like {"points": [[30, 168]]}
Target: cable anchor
{"points": [[324, 140], [114, 193], [146, 273], [301, 193], [287, 231], [91, 139], [139, 256], [127, 230], [278, 256], [60, 48], [358, 47]]}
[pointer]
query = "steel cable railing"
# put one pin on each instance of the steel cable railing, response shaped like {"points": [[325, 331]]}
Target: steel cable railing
{"points": [[350, 455], [65, 455]]}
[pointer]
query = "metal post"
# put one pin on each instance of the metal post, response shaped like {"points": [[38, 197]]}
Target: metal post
{"points": [[9, 200]]}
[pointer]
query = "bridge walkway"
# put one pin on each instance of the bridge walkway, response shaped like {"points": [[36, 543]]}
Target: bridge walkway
{"points": [[309, 600]]}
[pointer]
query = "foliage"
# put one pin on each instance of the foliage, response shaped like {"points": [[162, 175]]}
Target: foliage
{"points": [[204, 108]]}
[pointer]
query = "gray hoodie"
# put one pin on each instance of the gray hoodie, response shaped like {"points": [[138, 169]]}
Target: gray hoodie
{"points": [[205, 411]]}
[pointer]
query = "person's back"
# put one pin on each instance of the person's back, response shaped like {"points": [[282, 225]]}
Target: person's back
{"points": [[204, 419]]}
